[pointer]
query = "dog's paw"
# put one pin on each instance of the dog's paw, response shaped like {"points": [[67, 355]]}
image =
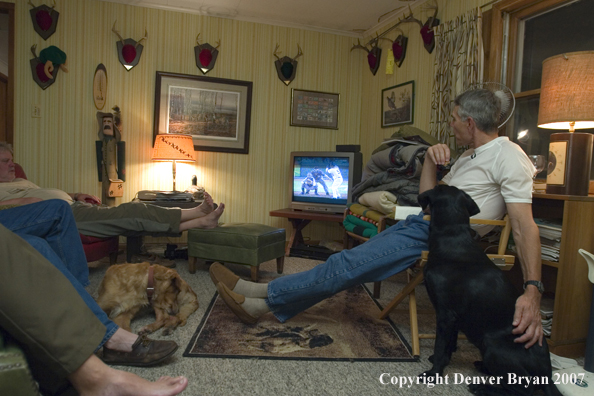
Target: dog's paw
{"points": [[167, 331], [144, 331]]}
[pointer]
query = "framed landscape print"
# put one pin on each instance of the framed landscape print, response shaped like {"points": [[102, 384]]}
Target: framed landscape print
{"points": [[314, 109], [398, 104], [216, 112]]}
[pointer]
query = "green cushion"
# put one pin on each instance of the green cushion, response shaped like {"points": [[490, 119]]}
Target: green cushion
{"points": [[15, 377], [240, 243]]}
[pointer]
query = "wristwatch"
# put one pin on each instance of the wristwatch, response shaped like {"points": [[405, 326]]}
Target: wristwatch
{"points": [[538, 285]]}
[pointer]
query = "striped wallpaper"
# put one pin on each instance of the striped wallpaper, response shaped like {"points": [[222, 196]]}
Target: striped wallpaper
{"points": [[57, 150]]}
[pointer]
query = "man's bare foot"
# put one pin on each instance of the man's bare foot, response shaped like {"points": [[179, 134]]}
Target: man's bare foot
{"points": [[211, 220], [206, 206], [94, 378], [122, 340]]}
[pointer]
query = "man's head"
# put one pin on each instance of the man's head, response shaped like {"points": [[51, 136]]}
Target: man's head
{"points": [[7, 167], [482, 106]]}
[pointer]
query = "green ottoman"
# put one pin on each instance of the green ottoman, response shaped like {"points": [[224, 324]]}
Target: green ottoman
{"points": [[237, 243]]}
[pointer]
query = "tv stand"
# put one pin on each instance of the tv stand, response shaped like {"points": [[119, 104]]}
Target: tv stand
{"points": [[299, 219]]}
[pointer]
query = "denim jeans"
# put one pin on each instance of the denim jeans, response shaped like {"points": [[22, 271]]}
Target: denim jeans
{"points": [[49, 227], [382, 256]]}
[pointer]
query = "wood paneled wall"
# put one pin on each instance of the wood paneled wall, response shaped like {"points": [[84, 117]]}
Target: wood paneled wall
{"points": [[57, 150]]}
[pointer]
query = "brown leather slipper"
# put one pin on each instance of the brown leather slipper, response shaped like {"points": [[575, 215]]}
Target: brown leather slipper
{"points": [[234, 301], [221, 274], [145, 352]]}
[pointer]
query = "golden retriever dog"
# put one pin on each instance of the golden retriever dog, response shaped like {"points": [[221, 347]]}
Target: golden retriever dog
{"points": [[123, 292]]}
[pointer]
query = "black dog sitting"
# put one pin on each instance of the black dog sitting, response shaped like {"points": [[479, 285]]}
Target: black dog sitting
{"points": [[470, 294]]}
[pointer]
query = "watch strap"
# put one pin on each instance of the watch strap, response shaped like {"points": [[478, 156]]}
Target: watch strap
{"points": [[538, 285]]}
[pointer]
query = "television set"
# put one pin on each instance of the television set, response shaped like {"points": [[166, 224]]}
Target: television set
{"points": [[322, 181]]}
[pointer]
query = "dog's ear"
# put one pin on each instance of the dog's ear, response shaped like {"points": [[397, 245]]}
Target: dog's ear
{"points": [[471, 206], [424, 198]]}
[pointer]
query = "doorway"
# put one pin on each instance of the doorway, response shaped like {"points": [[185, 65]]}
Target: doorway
{"points": [[6, 72]]}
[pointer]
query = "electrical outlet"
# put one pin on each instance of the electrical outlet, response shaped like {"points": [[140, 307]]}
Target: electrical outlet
{"points": [[36, 111]]}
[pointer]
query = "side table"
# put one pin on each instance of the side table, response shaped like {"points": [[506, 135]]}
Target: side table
{"points": [[299, 219]]}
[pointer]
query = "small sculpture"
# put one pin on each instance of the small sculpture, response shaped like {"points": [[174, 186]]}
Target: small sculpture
{"points": [[110, 156], [206, 55], [45, 67], [286, 67], [45, 19], [129, 50]]}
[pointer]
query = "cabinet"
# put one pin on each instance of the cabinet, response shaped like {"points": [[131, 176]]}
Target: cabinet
{"points": [[568, 278]]}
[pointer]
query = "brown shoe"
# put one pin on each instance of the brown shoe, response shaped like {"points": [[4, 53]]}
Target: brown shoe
{"points": [[234, 301], [221, 274], [145, 352]]}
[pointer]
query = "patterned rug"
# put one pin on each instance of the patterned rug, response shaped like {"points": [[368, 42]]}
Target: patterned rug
{"points": [[343, 327]]}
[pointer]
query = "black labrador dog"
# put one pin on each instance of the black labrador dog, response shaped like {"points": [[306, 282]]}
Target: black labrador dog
{"points": [[470, 294]]}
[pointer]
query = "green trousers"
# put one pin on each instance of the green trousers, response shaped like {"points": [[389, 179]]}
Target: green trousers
{"points": [[42, 311]]}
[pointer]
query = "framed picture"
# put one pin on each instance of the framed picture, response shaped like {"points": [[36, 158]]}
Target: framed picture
{"points": [[398, 104], [314, 109], [215, 111]]}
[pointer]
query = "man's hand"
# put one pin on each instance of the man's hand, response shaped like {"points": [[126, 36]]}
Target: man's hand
{"points": [[527, 318], [439, 154], [87, 198]]}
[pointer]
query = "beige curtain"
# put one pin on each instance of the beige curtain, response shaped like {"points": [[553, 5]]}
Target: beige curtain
{"points": [[458, 65]]}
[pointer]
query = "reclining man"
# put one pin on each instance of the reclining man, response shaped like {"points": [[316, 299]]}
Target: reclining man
{"points": [[495, 172], [60, 333], [50, 229], [127, 219]]}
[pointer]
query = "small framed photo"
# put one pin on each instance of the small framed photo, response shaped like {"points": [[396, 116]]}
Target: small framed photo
{"points": [[314, 109], [216, 112], [398, 104]]}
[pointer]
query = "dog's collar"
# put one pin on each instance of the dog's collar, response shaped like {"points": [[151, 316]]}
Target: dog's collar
{"points": [[150, 288]]}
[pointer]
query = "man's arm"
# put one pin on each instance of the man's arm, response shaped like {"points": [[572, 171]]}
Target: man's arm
{"points": [[85, 198], [526, 236], [438, 154], [20, 201]]}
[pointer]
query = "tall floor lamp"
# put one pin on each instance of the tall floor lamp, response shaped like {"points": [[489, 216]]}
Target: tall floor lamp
{"points": [[566, 103], [169, 147]]}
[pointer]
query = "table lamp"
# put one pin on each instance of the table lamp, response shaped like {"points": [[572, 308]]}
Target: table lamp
{"points": [[169, 147], [566, 102]]}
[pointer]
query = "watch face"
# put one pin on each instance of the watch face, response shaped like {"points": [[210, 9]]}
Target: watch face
{"points": [[100, 87], [556, 166]]}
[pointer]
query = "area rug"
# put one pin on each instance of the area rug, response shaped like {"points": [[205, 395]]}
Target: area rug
{"points": [[341, 328]]}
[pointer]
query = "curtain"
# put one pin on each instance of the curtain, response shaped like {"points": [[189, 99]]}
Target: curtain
{"points": [[458, 65]]}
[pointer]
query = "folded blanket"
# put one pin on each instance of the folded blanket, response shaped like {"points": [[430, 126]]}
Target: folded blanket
{"points": [[360, 227], [382, 201], [364, 211]]}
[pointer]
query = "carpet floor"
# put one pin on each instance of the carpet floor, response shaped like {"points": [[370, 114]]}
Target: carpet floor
{"points": [[222, 376]]}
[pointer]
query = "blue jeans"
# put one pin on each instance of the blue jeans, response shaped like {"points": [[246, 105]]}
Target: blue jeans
{"points": [[384, 255], [49, 227]]}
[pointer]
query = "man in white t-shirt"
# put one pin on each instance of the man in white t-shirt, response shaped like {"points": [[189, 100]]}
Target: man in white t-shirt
{"points": [[495, 172], [101, 221]]}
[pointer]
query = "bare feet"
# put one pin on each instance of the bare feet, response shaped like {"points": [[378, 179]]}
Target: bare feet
{"points": [[206, 206], [94, 378], [211, 220]]}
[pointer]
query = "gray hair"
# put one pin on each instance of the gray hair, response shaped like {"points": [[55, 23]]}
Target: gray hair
{"points": [[482, 105], [6, 147]]}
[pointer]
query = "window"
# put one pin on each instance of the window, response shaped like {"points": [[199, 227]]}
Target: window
{"points": [[539, 30]]}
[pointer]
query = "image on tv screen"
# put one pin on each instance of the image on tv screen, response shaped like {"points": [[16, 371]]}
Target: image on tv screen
{"points": [[321, 180]]}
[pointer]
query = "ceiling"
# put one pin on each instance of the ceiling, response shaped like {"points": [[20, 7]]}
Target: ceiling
{"points": [[345, 17]]}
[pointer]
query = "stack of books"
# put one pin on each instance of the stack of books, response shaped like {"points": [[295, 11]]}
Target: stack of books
{"points": [[550, 238], [546, 314]]}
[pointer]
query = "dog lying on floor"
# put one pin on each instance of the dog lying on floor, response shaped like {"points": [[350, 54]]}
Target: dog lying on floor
{"points": [[470, 294], [123, 292]]}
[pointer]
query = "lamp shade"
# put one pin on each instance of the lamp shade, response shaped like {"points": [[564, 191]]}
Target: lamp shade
{"points": [[169, 147], [566, 91]]}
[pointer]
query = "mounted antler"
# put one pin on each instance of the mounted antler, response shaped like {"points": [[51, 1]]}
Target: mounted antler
{"points": [[200, 45], [143, 38], [113, 29], [299, 52], [360, 46], [436, 7], [276, 53], [31, 4], [33, 48], [409, 18]]}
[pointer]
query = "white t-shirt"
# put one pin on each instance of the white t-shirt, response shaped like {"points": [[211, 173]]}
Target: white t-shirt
{"points": [[23, 188], [493, 174]]}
